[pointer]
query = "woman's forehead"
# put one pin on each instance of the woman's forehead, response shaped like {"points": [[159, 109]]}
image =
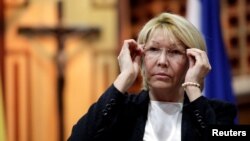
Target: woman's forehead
{"points": [[158, 36]]}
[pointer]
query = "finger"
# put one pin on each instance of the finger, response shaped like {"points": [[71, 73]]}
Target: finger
{"points": [[191, 60], [201, 59], [125, 47], [131, 49], [202, 53], [204, 57], [201, 56], [137, 63], [132, 44], [135, 49], [140, 48], [196, 55]]}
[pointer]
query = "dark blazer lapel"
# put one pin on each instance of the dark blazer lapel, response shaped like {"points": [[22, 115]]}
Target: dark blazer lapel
{"points": [[141, 112], [189, 130], [185, 120]]}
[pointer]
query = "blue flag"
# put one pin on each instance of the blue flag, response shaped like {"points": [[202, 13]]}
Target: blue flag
{"points": [[218, 82]]}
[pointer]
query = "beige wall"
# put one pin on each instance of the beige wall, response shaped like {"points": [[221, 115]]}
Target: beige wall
{"points": [[84, 12], [31, 93], [98, 59]]}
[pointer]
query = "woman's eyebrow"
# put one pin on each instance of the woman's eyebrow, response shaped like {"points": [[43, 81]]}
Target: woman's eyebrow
{"points": [[175, 44], [155, 42], [178, 45]]}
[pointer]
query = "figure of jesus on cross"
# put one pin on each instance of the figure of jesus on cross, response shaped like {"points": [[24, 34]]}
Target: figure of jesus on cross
{"points": [[61, 33]]}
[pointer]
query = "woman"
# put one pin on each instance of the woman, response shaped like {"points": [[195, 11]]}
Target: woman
{"points": [[171, 55]]}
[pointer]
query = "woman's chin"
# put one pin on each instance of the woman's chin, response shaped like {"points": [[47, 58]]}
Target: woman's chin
{"points": [[160, 85]]}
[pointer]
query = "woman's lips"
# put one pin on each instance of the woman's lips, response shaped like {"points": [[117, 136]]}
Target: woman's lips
{"points": [[162, 76]]}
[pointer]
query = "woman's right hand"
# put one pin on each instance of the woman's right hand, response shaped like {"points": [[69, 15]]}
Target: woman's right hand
{"points": [[129, 61]]}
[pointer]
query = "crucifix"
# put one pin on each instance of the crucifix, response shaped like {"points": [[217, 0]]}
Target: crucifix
{"points": [[60, 33]]}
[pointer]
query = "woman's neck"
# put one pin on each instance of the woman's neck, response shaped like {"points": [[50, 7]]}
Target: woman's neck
{"points": [[166, 95]]}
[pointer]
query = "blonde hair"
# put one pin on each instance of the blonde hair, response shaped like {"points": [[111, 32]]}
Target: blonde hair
{"points": [[179, 27]]}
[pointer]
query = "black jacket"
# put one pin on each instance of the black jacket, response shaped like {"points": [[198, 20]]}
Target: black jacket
{"points": [[121, 117]]}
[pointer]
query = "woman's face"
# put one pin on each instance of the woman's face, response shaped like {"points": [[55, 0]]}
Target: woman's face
{"points": [[165, 61]]}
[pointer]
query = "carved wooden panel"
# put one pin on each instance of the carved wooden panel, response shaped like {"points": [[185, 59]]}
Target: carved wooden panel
{"points": [[236, 28]]}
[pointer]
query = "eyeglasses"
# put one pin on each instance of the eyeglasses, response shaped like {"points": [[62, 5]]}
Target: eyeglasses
{"points": [[171, 53]]}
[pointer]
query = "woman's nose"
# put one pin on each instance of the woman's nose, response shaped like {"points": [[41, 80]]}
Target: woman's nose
{"points": [[162, 59]]}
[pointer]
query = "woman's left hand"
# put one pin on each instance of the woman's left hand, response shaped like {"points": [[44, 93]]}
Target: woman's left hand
{"points": [[199, 65]]}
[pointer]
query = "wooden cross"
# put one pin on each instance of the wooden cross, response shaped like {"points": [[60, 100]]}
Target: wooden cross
{"points": [[61, 32]]}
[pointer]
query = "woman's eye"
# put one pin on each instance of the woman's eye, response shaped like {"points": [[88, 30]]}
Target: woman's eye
{"points": [[175, 52], [153, 49]]}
